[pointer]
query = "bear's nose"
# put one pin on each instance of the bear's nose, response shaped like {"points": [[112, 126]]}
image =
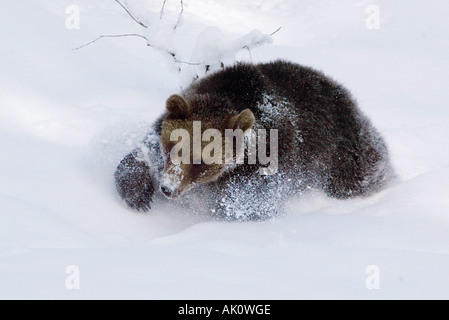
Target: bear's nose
{"points": [[166, 191]]}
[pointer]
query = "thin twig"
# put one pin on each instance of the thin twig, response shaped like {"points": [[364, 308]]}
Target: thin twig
{"points": [[131, 15], [258, 43], [276, 31], [172, 54], [249, 51], [189, 63], [162, 9], [180, 15], [271, 34], [112, 36], [180, 61]]}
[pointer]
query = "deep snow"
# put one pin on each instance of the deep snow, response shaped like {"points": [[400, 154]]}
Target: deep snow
{"points": [[67, 117]]}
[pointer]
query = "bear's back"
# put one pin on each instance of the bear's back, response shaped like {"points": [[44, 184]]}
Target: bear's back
{"points": [[321, 129], [242, 84], [311, 94]]}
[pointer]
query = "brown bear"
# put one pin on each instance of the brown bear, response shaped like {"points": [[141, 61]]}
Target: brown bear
{"points": [[323, 141]]}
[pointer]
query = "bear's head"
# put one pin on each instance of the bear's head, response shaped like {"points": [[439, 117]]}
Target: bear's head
{"points": [[193, 141]]}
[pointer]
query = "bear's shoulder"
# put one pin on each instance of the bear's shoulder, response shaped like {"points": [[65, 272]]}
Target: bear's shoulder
{"points": [[242, 84]]}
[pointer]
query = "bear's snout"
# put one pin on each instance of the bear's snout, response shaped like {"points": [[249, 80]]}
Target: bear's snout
{"points": [[168, 192], [173, 182]]}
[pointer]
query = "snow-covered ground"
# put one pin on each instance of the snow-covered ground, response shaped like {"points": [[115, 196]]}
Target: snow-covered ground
{"points": [[67, 117]]}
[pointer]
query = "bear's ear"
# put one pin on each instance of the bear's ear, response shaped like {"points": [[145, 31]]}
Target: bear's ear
{"points": [[177, 107], [245, 120]]}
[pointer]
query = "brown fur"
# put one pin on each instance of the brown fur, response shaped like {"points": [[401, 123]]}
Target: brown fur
{"points": [[180, 115], [325, 142]]}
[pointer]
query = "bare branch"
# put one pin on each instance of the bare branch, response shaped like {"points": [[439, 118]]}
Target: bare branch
{"points": [[189, 63], [276, 31], [172, 54], [259, 43], [180, 61], [249, 52], [165, 51], [131, 15], [180, 15], [162, 9], [254, 39], [111, 36]]}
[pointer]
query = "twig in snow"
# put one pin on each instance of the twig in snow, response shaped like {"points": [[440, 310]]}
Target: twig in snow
{"points": [[276, 31], [162, 9], [111, 36], [131, 15], [249, 52], [180, 61], [172, 54], [180, 15]]}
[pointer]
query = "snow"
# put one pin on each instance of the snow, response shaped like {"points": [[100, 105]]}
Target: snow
{"points": [[67, 117]]}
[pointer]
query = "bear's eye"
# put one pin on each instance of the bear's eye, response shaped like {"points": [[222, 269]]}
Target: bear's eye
{"points": [[168, 148]]}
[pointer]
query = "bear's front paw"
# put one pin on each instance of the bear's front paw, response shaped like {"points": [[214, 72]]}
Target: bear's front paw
{"points": [[135, 183]]}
